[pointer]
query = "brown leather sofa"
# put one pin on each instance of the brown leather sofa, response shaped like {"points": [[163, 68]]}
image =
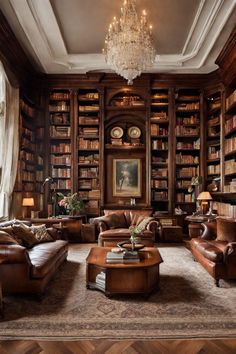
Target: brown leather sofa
{"points": [[114, 225], [215, 249], [28, 270]]}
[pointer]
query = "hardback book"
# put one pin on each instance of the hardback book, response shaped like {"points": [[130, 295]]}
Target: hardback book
{"points": [[124, 257]]}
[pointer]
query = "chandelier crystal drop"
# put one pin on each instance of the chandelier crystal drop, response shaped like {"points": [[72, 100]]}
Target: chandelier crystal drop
{"points": [[129, 46]]}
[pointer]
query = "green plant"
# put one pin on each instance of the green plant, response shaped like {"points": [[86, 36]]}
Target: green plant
{"points": [[71, 202]]}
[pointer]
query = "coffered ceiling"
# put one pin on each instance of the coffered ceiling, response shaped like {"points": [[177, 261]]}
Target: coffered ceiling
{"points": [[67, 36]]}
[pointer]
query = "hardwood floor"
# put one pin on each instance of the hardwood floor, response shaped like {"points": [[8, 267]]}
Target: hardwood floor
{"points": [[217, 346]]}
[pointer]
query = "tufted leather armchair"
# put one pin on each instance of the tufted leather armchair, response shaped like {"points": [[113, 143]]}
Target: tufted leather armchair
{"points": [[113, 226], [215, 249]]}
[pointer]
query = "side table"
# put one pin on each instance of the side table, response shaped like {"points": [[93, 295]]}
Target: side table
{"points": [[194, 227]]}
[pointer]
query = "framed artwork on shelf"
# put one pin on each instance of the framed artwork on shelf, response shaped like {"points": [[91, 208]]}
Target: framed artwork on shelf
{"points": [[127, 178]]}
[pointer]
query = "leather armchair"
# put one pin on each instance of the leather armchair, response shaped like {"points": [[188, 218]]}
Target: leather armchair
{"points": [[215, 249], [114, 227]]}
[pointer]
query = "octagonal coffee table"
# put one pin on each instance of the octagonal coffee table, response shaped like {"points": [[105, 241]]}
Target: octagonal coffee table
{"points": [[123, 278]]}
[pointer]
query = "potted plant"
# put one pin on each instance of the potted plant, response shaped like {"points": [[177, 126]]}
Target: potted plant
{"points": [[73, 204]]}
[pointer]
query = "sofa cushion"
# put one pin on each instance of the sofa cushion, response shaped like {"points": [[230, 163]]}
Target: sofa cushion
{"points": [[137, 216], [115, 220], [44, 256], [25, 234], [6, 239], [41, 234], [226, 230], [209, 251]]}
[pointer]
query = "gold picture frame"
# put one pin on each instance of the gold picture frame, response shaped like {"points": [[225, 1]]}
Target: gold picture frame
{"points": [[127, 178]]}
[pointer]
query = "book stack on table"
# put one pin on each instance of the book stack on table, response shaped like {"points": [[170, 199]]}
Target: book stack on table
{"points": [[101, 279], [122, 257]]}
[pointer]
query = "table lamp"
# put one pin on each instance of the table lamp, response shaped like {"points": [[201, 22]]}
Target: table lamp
{"points": [[26, 202], [204, 198]]}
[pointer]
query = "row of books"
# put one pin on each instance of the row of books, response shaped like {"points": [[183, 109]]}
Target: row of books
{"points": [[195, 145], [161, 172], [89, 96], [230, 124], [61, 148], [182, 183], [213, 169], [159, 96], [156, 196], [232, 186], [182, 130], [225, 209], [230, 166], [193, 119], [156, 116], [188, 106], [29, 134], [62, 184], [213, 152], [92, 194], [60, 118], [61, 172], [185, 198], [88, 120], [127, 101], [92, 131], [92, 107], [92, 204], [59, 96], [156, 159], [89, 159], [230, 144], [60, 106], [28, 176], [157, 130], [213, 131], [30, 111], [158, 183], [39, 176], [27, 167], [39, 160], [59, 131], [231, 100], [27, 144], [215, 104], [187, 171], [89, 183], [61, 160], [159, 145], [214, 121], [88, 144], [88, 172], [28, 187], [180, 97], [180, 158], [25, 155]]}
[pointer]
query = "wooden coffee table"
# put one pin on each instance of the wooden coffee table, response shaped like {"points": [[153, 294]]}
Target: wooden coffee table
{"points": [[130, 278]]}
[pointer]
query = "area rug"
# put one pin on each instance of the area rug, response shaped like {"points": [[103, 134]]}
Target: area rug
{"points": [[188, 304]]}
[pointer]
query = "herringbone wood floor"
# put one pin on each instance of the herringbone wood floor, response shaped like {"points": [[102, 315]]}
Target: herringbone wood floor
{"points": [[223, 346]]}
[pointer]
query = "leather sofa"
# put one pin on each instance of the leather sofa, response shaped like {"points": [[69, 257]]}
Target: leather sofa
{"points": [[114, 226], [28, 270], [215, 249]]}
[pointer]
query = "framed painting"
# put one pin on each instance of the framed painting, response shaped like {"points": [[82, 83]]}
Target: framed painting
{"points": [[127, 177]]}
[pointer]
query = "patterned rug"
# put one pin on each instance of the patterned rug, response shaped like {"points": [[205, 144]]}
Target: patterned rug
{"points": [[188, 304]]}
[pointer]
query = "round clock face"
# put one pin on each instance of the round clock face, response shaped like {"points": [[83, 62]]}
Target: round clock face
{"points": [[117, 132], [134, 132]]}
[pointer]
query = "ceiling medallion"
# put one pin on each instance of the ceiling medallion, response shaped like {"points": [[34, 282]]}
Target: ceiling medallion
{"points": [[129, 46]]}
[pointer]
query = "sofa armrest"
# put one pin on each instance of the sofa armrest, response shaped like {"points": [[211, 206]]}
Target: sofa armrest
{"points": [[230, 253], [102, 226], [209, 230], [154, 226], [13, 254]]}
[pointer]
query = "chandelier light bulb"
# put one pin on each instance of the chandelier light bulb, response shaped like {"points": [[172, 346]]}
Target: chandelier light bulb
{"points": [[129, 46]]}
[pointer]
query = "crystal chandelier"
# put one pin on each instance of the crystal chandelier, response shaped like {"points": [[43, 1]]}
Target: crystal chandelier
{"points": [[129, 46]]}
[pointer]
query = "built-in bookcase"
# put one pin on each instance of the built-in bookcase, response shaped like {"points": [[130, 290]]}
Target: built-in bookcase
{"points": [[60, 116], [159, 135], [88, 144], [187, 154]]}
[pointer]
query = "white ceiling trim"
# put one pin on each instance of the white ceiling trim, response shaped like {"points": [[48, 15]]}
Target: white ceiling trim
{"points": [[41, 28]]}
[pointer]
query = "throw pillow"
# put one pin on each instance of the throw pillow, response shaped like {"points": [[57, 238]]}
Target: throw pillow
{"points": [[143, 223], [41, 234], [6, 239], [9, 230], [25, 234], [226, 230]]}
